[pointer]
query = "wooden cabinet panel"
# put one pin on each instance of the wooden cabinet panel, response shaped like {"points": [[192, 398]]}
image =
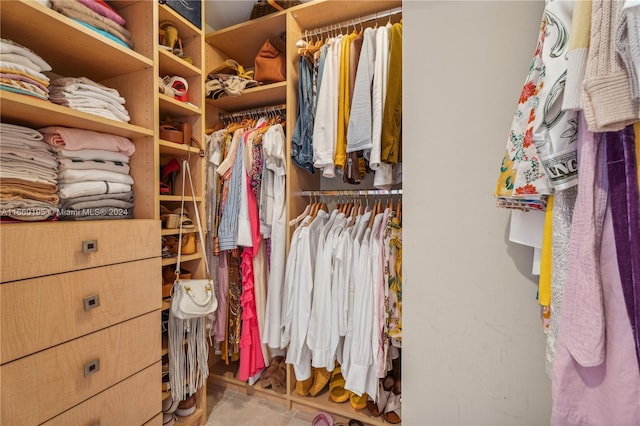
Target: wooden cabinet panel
{"points": [[40, 386], [131, 402], [42, 312], [32, 250], [156, 421]]}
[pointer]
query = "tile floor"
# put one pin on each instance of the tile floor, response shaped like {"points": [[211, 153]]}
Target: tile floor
{"points": [[226, 407]]}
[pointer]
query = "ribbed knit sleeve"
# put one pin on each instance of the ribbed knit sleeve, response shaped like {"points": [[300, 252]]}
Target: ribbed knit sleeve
{"points": [[607, 100], [628, 44], [577, 55]]}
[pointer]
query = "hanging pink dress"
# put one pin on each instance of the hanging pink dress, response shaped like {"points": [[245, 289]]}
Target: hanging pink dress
{"points": [[251, 357]]}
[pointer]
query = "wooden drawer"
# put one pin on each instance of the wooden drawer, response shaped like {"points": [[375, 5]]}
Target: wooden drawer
{"points": [[40, 386], [156, 421], [32, 250], [38, 313], [131, 402]]}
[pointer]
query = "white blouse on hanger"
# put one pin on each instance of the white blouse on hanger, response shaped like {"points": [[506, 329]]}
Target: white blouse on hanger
{"points": [[273, 142]]}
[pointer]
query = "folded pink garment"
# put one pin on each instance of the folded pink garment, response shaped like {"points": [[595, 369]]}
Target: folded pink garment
{"points": [[104, 11], [77, 139]]}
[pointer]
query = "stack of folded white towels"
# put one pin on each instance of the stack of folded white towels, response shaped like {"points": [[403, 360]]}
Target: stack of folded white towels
{"points": [[83, 94], [93, 179], [21, 70], [28, 175]]}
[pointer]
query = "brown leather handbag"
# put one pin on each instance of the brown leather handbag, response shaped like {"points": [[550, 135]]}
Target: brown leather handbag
{"points": [[171, 134], [270, 64]]}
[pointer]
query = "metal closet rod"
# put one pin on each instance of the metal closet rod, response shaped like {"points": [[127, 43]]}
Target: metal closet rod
{"points": [[353, 22], [226, 116], [350, 193]]}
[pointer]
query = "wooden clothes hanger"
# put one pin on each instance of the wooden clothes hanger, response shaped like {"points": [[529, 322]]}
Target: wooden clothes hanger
{"points": [[235, 125], [376, 209]]}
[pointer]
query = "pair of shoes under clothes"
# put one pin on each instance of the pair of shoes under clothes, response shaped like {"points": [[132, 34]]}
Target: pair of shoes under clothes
{"points": [[389, 398], [274, 376]]}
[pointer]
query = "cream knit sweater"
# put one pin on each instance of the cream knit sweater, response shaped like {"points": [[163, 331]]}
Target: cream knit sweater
{"points": [[608, 104]]}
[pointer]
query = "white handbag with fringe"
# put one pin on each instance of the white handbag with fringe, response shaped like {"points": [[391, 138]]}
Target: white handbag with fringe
{"points": [[192, 300]]}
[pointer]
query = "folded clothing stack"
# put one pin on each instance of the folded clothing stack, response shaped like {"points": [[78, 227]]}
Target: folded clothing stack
{"points": [[21, 70], [28, 175], [93, 179], [97, 16], [83, 94]]}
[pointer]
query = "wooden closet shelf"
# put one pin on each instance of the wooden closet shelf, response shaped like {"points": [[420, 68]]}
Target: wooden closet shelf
{"points": [[173, 148], [28, 111], [184, 258], [176, 231], [170, 64], [226, 372], [178, 198], [165, 344], [321, 13], [75, 52], [220, 372], [269, 94], [242, 41], [322, 402], [176, 108]]}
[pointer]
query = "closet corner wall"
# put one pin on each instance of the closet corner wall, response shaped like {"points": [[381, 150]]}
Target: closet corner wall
{"points": [[241, 43], [64, 361]]}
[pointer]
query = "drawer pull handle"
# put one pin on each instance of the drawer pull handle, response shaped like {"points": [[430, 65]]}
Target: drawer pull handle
{"points": [[96, 423], [89, 246], [91, 302], [91, 367]]}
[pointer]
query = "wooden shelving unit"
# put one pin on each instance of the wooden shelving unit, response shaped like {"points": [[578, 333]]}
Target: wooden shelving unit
{"points": [[191, 112], [119, 336], [275, 93]]}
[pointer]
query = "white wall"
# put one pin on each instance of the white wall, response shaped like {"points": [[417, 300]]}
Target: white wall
{"points": [[473, 347]]}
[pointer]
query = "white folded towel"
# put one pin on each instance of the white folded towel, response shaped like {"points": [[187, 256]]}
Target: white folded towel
{"points": [[10, 46], [27, 132], [92, 154], [70, 176], [112, 166], [78, 189]]}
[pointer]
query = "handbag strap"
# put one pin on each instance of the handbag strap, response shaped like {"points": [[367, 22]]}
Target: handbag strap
{"points": [[275, 5], [187, 172]]}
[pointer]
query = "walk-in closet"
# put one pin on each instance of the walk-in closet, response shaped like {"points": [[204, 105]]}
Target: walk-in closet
{"points": [[319, 212]]}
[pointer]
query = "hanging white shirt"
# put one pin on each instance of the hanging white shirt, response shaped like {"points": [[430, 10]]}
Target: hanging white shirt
{"points": [[319, 336], [273, 142], [360, 119], [325, 127], [288, 292], [298, 352], [379, 92], [357, 232], [360, 354]]}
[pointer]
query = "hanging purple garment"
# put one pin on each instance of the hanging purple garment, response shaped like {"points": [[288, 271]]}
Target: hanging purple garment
{"points": [[625, 211], [593, 380]]}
